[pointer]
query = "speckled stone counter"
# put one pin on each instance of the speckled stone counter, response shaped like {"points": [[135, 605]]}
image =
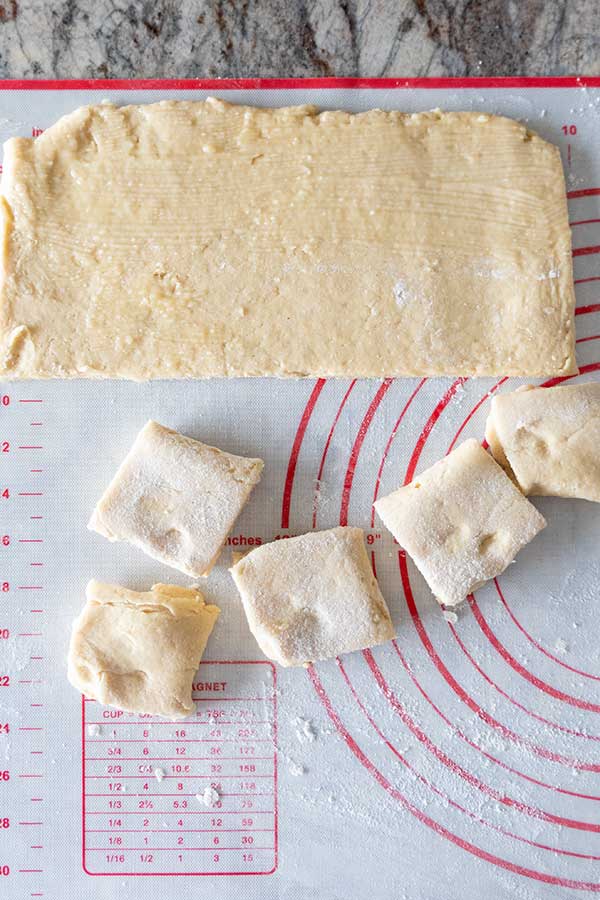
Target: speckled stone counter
{"points": [[297, 38]]}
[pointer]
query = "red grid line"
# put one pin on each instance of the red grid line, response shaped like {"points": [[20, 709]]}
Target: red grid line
{"points": [[238, 84]]}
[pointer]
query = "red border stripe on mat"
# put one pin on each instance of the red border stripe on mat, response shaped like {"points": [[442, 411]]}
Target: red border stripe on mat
{"points": [[238, 84]]}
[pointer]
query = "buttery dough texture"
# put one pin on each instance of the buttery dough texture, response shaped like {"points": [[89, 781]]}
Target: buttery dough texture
{"points": [[462, 521], [193, 239], [548, 439], [176, 498], [139, 651], [312, 597]]}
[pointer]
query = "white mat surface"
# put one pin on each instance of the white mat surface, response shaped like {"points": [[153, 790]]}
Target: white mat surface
{"points": [[460, 761]]}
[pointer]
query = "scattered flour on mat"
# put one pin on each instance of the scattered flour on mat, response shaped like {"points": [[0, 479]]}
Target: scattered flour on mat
{"points": [[325, 497], [159, 774], [590, 103], [209, 797], [93, 729], [305, 730]]}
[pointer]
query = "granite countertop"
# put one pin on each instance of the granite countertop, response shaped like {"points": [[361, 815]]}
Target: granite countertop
{"points": [[301, 38]]}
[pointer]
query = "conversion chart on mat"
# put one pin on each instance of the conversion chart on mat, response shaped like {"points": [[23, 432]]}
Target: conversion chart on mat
{"points": [[193, 797], [458, 761]]}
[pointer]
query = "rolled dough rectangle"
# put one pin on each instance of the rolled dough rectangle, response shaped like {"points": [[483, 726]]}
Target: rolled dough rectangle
{"points": [[195, 239]]}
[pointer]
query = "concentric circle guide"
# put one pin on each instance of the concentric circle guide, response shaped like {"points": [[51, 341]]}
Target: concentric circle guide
{"points": [[587, 757]]}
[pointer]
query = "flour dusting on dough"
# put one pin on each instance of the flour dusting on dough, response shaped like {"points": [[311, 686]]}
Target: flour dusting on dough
{"points": [[553, 273], [402, 295]]}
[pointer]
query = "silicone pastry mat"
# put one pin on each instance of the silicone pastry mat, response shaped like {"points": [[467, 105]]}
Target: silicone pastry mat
{"points": [[459, 761]]}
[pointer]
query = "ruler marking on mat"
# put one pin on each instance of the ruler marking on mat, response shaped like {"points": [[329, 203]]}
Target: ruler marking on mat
{"points": [[21, 737]]}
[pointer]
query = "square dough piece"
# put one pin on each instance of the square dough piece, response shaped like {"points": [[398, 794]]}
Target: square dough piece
{"points": [[195, 239], [312, 597], [548, 439], [140, 651], [462, 521], [176, 499]]}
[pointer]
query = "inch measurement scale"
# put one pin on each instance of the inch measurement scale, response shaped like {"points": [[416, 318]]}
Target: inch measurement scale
{"points": [[22, 632]]}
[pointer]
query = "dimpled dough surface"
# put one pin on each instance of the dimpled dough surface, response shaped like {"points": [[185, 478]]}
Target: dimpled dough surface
{"points": [[548, 439], [462, 521], [175, 498], [312, 597], [192, 239], [140, 651]]}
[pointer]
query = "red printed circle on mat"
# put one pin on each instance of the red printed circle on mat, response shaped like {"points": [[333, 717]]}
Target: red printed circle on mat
{"points": [[353, 745]]}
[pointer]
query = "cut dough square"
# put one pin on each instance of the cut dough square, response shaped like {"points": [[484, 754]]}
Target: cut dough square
{"points": [[196, 239], [176, 498], [312, 597], [548, 439], [140, 651], [462, 521]]}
